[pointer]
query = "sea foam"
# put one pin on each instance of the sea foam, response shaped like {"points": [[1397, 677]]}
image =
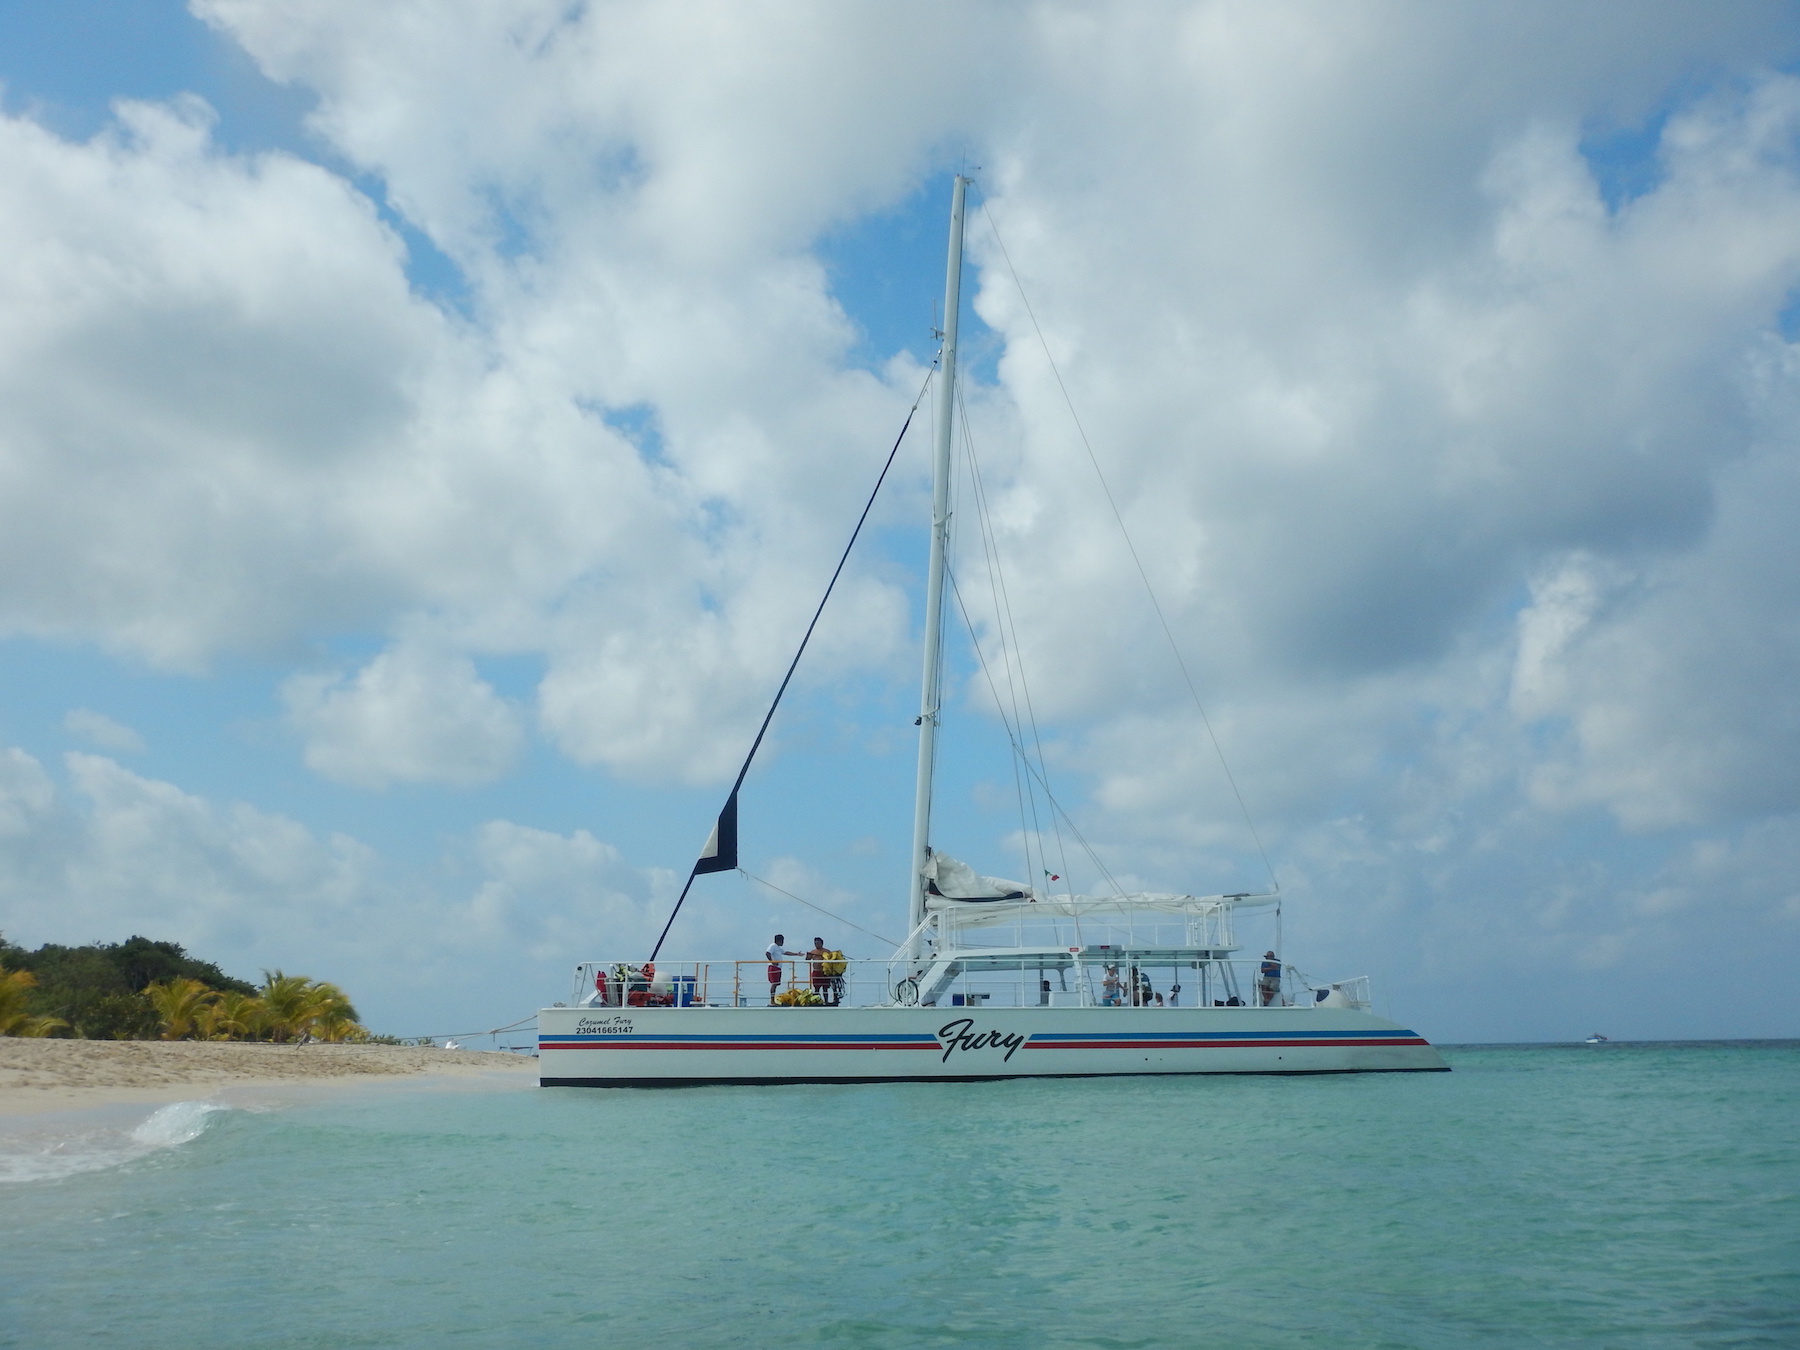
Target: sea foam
{"points": [[38, 1151]]}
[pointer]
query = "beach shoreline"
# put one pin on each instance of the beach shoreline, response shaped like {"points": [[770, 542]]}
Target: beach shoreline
{"points": [[41, 1076]]}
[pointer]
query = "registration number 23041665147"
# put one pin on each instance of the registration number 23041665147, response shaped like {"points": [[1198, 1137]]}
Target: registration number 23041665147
{"points": [[610, 1026], [960, 1035]]}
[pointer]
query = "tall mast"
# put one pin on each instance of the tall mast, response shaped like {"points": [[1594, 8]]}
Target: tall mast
{"points": [[929, 696]]}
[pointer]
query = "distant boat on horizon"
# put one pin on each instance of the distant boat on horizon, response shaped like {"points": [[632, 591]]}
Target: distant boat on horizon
{"points": [[1596, 1039]]}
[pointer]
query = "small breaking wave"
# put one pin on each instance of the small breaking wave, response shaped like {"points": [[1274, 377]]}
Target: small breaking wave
{"points": [[28, 1154]]}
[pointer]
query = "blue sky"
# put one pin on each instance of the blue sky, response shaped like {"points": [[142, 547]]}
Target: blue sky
{"points": [[839, 791], [427, 448]]}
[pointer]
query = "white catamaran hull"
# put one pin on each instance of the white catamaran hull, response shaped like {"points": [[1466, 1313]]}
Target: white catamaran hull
{"points": [[675, 1047]]}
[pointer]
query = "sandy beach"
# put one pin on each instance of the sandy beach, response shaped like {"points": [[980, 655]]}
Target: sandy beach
{"points": [[65, 1075]]}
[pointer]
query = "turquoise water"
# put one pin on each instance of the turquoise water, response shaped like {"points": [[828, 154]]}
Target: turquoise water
{"points": [[1546, 1196]]}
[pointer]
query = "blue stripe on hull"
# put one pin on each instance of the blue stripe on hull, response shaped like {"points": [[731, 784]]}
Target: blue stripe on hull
{"points": [[771, 1081]]}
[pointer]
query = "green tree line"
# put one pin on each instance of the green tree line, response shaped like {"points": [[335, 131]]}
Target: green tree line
{"points": [[144, 990]]}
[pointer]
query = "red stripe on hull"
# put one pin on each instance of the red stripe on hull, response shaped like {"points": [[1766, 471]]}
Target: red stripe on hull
{"points": [[735, 1045]]}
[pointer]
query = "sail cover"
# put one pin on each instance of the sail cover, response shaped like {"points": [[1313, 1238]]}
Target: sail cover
{"points": [[955, 880]]}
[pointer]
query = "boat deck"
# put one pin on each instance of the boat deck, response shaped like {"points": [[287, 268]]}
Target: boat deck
{"points": [[1098, 976]]}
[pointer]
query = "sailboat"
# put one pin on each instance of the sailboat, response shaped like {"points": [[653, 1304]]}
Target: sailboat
{"points": [[995, 979]]}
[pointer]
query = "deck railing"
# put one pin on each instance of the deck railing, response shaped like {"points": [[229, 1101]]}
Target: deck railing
{"points": [[878, 983], [1125, 924]]}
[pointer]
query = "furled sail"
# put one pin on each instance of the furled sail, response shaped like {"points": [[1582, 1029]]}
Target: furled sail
{"points": [[955, 880]]}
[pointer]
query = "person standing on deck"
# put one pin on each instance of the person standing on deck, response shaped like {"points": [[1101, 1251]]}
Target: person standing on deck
{"points": [[777, 950], [815, 967], [1268, 979]]}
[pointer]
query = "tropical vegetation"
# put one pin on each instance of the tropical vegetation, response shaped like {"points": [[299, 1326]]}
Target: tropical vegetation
{"points": [[16, 1019], [140, 990]]}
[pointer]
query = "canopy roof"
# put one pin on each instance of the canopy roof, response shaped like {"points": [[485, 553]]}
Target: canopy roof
{"points": [[977, 913]]}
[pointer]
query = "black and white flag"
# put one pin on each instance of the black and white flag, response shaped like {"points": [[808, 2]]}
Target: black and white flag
{"points": [[720, 853]]}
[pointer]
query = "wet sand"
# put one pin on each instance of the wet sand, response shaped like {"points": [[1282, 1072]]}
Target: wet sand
{"points": [[57, 1075]]}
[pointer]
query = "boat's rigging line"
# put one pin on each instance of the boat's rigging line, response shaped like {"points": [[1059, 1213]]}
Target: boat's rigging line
{"points": [[839, 918], [1028, 820], [1022, 757], [1143, 574], [465, 1035], [720, 853], [1024, 794], [1014, 652]]}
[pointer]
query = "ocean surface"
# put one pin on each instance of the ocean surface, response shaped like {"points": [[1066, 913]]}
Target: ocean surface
{"points": [[1617, 1195]]}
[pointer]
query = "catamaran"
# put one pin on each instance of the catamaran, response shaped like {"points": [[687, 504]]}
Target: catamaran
{"points": [[995, 979]]}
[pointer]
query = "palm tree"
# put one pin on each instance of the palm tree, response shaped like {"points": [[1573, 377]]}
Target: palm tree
{"points": [[285, 999], [180, 1004], [15, 985], [336, 1018], [233, 1017], [300, 1007]]}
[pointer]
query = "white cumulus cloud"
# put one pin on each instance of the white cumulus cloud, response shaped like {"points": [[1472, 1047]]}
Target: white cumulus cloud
{"points": [[408, 716], [98, 729]]}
